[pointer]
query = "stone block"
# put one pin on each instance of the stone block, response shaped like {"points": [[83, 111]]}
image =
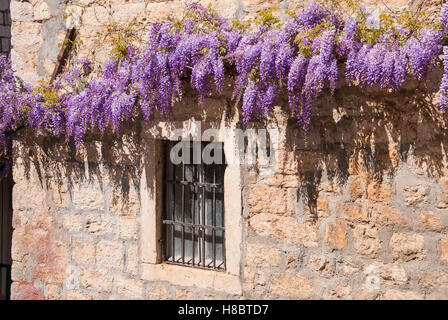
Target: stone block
{"points": [[261, 255], [336, 235], [358, 187], [110, 255], [125, 204], [444, 249], [407, 247], [292, 286], [83, 251], [431, 221], [96, 281], [129, 288], [442, 197], [415, 195], [26, 291], [128, 228], [41, 11], [132, 260], [366, 240], [99, 225], [394, 294], [88, 196], [285, 228], [352, 212], [21, 11], [380, 191], [388, 216], [267, 200]]}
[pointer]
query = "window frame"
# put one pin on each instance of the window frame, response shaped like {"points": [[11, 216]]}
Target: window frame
{"points": [[199, 221], [151, 266], [5, 22]]}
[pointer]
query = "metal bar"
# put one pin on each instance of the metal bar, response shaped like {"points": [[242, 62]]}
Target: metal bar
{"points": [[165, 233], [195, 225], [173, 204], [224, 248], [193, 216], [223, 214], [203, 216], [183, 214], [219, 268], [197, 184], [214, 218]]}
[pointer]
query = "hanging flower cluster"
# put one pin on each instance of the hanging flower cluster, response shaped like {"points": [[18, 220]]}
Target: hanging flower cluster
{"points": [[300, 57]]}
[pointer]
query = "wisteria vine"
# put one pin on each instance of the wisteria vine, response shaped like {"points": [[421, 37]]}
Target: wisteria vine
{"points": [[300, 57]]}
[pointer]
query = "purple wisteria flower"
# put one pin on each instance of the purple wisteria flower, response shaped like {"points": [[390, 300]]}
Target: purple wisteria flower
{"points": [[264, 62]]}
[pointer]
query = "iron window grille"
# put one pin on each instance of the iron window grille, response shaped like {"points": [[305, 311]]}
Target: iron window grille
{"points": [[193, 211], [5, 31]]}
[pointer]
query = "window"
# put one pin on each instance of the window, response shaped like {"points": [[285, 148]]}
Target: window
{"points": [[193, 211], [6, 183], [5, 28]]}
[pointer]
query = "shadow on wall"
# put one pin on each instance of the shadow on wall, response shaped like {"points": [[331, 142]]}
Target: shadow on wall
{"points": [[100, 161], [355, 131], [114, 162], [370, 133]]}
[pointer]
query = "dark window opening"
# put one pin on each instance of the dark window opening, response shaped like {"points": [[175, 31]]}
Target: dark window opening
{"points": [[5, 175], [5, 235], [5, 27], [193, 211]]}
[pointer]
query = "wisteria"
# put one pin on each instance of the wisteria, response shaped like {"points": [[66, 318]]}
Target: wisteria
{"points": [[300, 58]]}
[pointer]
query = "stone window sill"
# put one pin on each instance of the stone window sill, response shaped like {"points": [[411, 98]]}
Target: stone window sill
{"points": [[192, 277]]}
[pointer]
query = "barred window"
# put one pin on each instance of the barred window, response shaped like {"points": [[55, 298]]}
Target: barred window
{"points": [[5, 30], [193, 211]]}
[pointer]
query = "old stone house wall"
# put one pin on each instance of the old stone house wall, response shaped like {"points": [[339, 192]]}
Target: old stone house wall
{"points": [[39, 26], [355, 209]]}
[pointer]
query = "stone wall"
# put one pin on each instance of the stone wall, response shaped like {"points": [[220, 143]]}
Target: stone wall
{"points": [[39, 26], [357, 209]]}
